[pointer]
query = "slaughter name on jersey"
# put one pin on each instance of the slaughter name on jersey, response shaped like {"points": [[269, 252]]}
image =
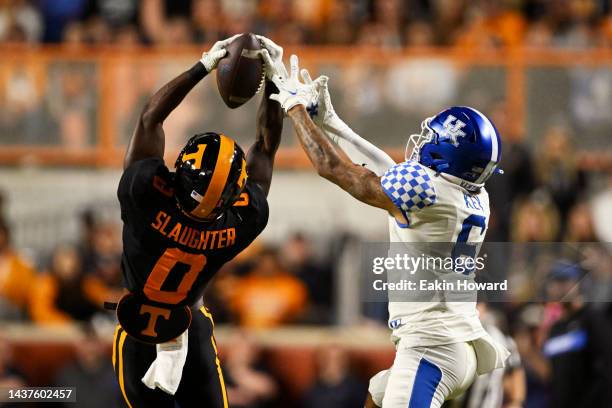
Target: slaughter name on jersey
{"points": [[168, 256]]}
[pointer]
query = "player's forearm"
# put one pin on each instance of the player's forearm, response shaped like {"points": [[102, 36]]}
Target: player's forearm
{"points": [[324, 156], [333, 164], [269, 122], [379, 161], [165, 100], [148, 139], [260, 159]]}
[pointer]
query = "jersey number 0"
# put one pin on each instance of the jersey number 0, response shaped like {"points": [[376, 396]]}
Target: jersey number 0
{"points": [[161, 270]]}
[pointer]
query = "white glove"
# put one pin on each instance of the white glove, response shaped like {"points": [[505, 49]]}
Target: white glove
{"points": [[274, 64], [211, 58], [325, 117], [291, 91]]}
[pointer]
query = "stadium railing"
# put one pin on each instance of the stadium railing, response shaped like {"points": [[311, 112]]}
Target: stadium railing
{"points": [[77, 106]]}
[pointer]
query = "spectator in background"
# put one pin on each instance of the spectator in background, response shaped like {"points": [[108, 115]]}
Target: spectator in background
{"points": [[16, 278], [114, 14], [87, 224], [578, 345], [298, 258], [10, 377], [91, 373], [100, 250], [57, 13], [518, 180], [528, 338], [73, 105], [338, 29], [493, 24], [534, 219], [448, 19], [597, 259], [558, 172], [580, 226], [390, 17], [419, 34], [3, 205], [335, 386], [62, 295], [269, 295], [249, 382], [102, 270], [385, 23], [23, 117], [20, 21], [208, 20]]}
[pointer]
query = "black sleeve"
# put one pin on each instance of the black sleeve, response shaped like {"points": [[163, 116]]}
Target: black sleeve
{"points": [[253, 207], [143, 182]]}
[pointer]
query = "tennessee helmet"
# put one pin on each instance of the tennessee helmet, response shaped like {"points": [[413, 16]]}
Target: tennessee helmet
{"points": [[459, 141], [210, 175]]}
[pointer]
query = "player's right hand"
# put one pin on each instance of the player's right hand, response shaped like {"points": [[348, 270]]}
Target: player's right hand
{"points": [[325, 113], [292, 92], [210, 59], [324, 116]]}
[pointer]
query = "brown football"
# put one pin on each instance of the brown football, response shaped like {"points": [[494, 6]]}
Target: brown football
{"points": [[240, 72]]}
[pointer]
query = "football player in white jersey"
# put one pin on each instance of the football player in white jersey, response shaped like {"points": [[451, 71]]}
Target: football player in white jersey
{"points": [[436, 195]]}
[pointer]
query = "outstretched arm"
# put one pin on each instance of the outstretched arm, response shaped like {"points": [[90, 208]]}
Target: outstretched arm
{"points": [[260, 158], [376, 159], [148, 139], [337, 130], [332, 163], [328, 158]]}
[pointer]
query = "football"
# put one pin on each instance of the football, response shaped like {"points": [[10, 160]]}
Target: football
{"points": [[240, 72]]}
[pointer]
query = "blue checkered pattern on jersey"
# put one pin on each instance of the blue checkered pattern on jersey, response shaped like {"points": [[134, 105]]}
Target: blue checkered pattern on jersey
{"points": [[409, 186]]}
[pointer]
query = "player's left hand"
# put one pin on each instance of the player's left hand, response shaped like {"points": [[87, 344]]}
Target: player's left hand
{"points": [[274, 64], [292, 92], [210, 59], [325, 115]]}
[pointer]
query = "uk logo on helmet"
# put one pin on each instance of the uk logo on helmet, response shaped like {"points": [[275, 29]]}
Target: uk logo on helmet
{"points": [[453, 130]]}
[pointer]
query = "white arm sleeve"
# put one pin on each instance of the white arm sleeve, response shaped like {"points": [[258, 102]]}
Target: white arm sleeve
{"points": [[375, 159]]}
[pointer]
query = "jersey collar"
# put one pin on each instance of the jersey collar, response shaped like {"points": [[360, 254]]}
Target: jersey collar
{"points": [[469, 186]]}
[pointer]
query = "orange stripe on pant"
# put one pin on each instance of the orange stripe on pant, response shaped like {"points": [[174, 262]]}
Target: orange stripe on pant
{"points": [[122, 337], [206, 313]]}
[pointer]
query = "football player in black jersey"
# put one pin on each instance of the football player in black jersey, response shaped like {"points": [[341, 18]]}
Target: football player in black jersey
{"points": [[179, 228]]}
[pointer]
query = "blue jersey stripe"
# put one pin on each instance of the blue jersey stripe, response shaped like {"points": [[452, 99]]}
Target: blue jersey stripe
{"points": [[427, 378]]}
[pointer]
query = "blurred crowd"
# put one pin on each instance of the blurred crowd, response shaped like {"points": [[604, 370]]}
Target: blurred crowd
{"points": [[546, 195], [556, 293], [264, 287], [387, 23]]}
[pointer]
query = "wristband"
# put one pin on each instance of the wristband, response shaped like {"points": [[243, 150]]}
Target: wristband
{"points": [[198, 71]]}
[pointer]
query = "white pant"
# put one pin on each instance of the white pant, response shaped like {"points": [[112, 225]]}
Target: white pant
{"points": [[424, 377]]}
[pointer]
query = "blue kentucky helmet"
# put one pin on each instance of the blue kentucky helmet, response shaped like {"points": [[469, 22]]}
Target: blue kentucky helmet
{"points": [[459, 141]]}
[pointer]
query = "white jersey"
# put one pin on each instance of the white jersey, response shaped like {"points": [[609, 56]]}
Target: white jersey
{"points": [[438, 210]]}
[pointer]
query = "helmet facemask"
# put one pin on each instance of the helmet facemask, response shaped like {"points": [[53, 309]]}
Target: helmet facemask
{"points": [[417, 140]]}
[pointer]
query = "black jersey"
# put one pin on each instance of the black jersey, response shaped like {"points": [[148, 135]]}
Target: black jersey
{"points": [[167, 256]]}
